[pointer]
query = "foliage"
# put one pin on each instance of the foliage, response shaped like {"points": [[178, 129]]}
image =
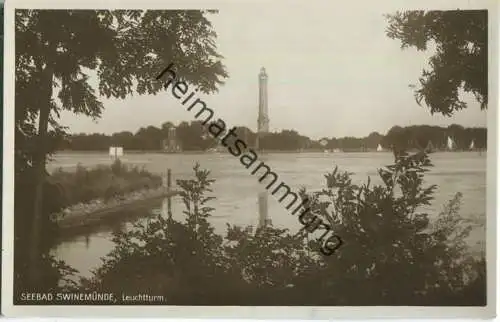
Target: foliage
{"points": [[419, 137], [57, 52], [164, 254], [126, 48], [285, 140], [73, 42], [84, 184], [461, 54], [390, 251], [195, 137], [393, 254]]}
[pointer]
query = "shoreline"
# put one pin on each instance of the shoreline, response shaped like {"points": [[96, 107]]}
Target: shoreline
{"points": [[93, 213]]}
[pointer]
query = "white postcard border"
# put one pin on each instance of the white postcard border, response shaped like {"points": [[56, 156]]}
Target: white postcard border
{"points": [[9, 309]]}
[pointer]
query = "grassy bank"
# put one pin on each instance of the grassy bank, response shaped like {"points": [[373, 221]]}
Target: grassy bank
{"points": [[101, 182]]}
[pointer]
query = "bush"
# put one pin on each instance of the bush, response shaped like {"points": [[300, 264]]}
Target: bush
{"points": [[393, 254], [105, 182]]}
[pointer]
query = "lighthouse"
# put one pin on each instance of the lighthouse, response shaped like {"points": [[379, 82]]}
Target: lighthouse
{"points": [[263, 118]]}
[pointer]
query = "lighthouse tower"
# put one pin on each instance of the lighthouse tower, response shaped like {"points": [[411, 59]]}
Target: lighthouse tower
{"points": [[263, 118]]}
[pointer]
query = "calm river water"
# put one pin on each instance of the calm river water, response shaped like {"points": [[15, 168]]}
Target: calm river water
{"points": [[237, 191]]}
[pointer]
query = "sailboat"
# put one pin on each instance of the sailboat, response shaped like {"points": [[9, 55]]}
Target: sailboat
{"points": [[450, 144], [379, 148], [471, 147]]}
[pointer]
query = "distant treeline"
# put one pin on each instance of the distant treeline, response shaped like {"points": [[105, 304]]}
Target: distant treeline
{"points": [[194, 136]]}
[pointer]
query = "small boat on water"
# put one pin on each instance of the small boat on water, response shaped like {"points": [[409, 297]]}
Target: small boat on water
{"points": [[379, 148], [471, 147]]}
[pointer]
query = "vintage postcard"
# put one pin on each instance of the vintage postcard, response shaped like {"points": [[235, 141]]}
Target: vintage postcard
{"points": [[258, 159]]}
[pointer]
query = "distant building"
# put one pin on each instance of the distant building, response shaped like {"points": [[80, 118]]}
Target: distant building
{"points": [[115, 152], [170, 144]]}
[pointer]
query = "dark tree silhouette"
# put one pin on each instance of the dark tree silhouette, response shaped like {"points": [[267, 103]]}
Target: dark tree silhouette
{"points": [[461, 58], [194, 136], [56, 49]]}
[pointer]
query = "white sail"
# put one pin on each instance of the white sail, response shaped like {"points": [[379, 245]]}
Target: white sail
{"points": [[471, 145], [379, 148], [450, 144]]}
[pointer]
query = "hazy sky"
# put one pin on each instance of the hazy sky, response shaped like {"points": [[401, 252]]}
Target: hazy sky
{"points": [[332, 72]]}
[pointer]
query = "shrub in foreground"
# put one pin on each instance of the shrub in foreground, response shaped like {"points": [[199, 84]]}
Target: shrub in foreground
{"points": [[393, 253]]}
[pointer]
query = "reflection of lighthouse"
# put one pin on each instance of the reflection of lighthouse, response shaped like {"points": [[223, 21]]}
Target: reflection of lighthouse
{"points": [[263, 210]]}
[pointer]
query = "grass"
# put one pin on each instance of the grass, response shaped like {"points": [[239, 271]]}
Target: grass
{"points": [[102, 182]]}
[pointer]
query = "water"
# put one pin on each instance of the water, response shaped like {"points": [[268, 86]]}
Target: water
{"points": [[237, 190]]}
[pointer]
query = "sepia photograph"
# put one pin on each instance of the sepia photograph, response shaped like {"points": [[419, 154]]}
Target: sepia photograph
{"points": [[312, 155]]}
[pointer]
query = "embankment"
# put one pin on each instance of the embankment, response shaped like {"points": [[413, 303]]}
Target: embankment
{"points": [[88, 197]]}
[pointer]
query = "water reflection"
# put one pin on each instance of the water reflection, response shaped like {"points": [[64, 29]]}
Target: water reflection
{"points": [[116, 222], [264, 219]]}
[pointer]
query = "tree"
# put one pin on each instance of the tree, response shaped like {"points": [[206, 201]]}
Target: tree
{"points": [[124, 139], [461, 58], [193, 136], [373, 140], [165, 127], [286, 140], [149, 138], [56, 49]]}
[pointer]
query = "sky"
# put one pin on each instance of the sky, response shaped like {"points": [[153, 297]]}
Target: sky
{"points": [[332, 72]]}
